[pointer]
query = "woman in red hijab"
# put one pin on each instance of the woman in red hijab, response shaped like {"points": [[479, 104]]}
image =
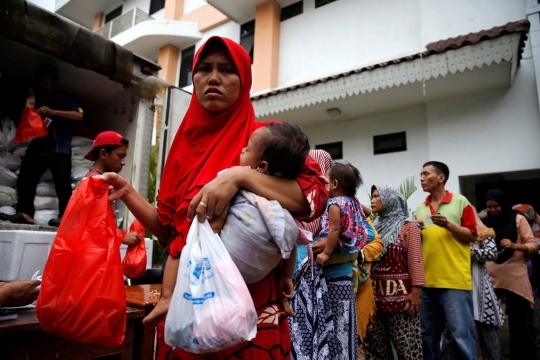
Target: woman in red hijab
{"points": [[217, 125]]}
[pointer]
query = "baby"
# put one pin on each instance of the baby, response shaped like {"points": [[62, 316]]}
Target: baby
{"points": [[344, 224], [278, 150]]}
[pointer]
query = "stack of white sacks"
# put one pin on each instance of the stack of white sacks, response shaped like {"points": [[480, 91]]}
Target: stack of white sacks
{"points": [[46, 201]]}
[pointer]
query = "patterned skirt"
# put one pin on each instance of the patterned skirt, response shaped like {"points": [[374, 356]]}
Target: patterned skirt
{"points": [[325, 325], [273, 336]]}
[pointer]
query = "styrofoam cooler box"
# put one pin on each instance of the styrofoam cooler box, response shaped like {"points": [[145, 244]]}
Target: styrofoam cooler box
{"points": [[149, 250], [23, 252]]}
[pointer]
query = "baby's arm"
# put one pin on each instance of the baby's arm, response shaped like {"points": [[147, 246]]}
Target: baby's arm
{"points": [[286, 283], [218, 222], [334, 215]]}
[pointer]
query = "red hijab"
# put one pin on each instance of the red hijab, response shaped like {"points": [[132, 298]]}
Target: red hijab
{"points": [[205, 144]]}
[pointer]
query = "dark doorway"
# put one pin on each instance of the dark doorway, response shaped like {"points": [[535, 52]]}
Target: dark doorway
{"points": [[520, 187]]}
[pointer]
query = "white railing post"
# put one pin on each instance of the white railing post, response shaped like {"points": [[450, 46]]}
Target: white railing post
{"points": [[110, 29], [134, 16]]}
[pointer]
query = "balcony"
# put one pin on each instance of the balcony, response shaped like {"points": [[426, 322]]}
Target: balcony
{"points": [[122, 23], [143, 35], [83, 11], [242, 10]]}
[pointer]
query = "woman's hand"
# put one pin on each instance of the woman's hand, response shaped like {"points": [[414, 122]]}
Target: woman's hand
{"points": [[414, 300], [216, 195], [507, 244], [118, 185]]}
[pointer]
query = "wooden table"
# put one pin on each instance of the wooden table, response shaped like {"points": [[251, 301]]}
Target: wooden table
{"points": [[23, 338], [143, 297]]}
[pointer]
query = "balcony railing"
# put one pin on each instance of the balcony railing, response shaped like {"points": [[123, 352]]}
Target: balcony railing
{"points": [[123, 22]]}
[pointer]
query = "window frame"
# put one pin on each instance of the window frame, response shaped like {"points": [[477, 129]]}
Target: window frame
{"points": [[327, 146], [186, 55], [401, 135]]}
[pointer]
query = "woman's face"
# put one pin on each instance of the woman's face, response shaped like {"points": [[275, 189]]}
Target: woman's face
{"points": [[376, 203], [216, 80], [493, 208]]}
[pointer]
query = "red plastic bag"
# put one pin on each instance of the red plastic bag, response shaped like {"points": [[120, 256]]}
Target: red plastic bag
{"points": [[134, 263], [30, 127], [82, 295]]}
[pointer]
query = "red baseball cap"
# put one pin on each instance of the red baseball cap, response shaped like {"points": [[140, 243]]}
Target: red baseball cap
{"points": [[106, 138]]}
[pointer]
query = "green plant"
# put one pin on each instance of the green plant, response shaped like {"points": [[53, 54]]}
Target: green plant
{"points": [[157, 254]]}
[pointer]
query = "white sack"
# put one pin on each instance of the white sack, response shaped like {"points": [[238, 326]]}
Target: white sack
{"points": [[46, 203], [8, 196]]}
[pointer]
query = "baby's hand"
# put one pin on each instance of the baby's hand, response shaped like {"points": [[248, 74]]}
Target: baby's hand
{"points": [[286, 286], [322, 258]]}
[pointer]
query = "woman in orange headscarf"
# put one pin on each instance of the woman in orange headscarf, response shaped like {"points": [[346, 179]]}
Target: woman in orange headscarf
{"points": [[217, 125]]}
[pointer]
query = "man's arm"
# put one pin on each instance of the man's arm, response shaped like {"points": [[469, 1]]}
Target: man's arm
{"points": [[70, 114], [466, 232]]}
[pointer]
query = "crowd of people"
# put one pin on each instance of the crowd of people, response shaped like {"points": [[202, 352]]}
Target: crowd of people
{"points": [[373, 278]]}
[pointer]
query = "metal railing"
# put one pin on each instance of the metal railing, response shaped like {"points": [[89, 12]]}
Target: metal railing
{"points": [[122, 23]]}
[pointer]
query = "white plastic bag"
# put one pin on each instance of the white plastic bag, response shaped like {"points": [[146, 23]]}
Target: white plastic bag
{"points": [[81, 141], [7, 133], [20, 151], [47, 176], [211, 308]]}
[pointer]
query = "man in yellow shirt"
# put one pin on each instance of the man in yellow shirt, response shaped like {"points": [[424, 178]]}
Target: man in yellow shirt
{"points": [[449, 230]]}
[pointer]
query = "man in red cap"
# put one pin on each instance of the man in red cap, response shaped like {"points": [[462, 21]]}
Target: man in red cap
{"points": [[109, 153]]}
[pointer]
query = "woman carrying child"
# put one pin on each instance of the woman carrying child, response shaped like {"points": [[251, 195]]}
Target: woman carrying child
{"points": [[397, 277], [344, 232], [217, 126]]}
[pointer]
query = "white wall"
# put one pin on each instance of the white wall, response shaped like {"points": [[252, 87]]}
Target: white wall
{"points": [[488, 133], [350, 34], [357, 137], [345, 35], [229, 30], [442, 19], [190, 5]]}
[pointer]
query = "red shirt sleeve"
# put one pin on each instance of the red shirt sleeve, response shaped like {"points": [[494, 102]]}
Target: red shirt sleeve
{"points": [[313, 185], [468, 220]]}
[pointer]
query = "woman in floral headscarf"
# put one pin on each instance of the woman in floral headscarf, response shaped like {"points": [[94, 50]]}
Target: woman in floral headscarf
{"points": [[397, 277]]}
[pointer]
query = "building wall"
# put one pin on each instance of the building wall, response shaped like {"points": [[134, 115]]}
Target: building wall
{"points": [[190, 5], [490, 132], [357, 137], [350, 34]]}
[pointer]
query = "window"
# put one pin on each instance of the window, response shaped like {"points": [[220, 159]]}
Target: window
{"points": [[334, 149], [389, 143], [319, 3], [292, 10], [113, 14], [247, 37], [156, 5], [186, 66]]}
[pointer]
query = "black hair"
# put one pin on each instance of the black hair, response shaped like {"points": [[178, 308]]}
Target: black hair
{"points": [[108, 148], [440, 168], [285, 148], [48, 70], [348, 177]]}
